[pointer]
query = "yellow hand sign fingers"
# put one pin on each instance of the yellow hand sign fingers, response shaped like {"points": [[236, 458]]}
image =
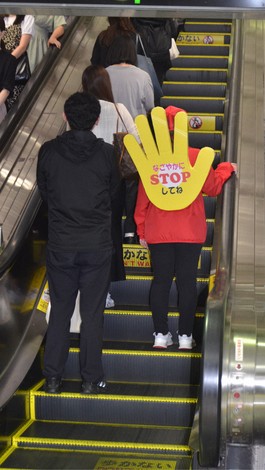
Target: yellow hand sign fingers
{"points": [[136, 152], [169, 179], [162, 134], [181, 143], [146, 137]]}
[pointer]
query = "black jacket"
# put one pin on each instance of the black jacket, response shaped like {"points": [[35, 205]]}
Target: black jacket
{"points": [[78, 175]]}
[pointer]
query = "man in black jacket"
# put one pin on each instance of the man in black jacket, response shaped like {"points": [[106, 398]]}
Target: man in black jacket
{"points": [[77, 176]]}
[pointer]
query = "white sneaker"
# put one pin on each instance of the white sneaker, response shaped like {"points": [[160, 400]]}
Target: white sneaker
{"points": [[109, 301], [162, 341], [186, 342]]}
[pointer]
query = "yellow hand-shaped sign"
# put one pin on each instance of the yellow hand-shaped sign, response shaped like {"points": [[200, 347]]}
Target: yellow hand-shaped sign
{"points": [[170, 181]]}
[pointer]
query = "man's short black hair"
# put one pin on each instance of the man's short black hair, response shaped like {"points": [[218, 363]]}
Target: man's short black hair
{"points": [[82, 111]]}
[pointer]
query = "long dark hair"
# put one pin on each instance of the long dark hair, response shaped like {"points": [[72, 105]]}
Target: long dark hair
{"points": [[123, 49], [96, 80], [117, 27]]}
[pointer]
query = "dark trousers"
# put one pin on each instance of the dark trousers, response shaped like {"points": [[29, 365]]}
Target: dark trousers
{"points": [[169, 260], [131, 190], [68, 272]]}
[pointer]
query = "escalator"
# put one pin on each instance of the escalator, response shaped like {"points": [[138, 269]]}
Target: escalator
{"points": [[145, 418]]}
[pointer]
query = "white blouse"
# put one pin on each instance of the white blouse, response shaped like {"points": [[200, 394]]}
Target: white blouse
{"points": [[110, 121], [27, 25]]}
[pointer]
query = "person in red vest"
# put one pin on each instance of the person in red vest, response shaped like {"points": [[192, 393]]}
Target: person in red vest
{"points": [[175, 239]]}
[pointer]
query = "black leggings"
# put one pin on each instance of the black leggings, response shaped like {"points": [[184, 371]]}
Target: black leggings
{"points": [[169, 260]]}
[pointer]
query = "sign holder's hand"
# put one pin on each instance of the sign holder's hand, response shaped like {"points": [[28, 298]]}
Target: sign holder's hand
{"points": [[170, 181]]}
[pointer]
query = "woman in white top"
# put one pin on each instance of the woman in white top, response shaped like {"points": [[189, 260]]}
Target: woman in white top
{"points": [[113, 118]]}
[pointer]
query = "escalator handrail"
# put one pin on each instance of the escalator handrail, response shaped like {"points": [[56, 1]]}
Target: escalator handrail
{"points": [[12, 121], [212, 353], [9, 129]]}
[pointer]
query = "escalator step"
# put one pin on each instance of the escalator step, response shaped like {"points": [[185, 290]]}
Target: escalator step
{"points": [[208, 26], [39, 459], [206, 50], [210, 206], [166, 367], [121, 325], [200, 61], [137, 291], [205, 139], [196, 89], [105, 438], [196, 104], [196, 75], [133, 404]]}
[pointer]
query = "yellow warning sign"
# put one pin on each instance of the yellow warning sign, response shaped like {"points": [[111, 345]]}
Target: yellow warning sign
{"points": [[201, 123], [44, 300], [136, 257], [33, 289], [134, 464], [195, 38]]}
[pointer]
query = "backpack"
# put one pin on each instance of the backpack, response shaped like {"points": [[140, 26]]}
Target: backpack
{"points": [[156, 39]]}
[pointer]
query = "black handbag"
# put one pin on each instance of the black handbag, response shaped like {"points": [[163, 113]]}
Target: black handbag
{"points": [[126, 165], [23, 73]]}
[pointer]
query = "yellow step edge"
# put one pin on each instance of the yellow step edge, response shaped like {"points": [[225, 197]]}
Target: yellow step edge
{"points": [[113, 454], [130, 277], [108, 444], [203, 56], [110, 397], [22, 429], [194, 44], [197, 98], [7, 454], [118, 425], [142, 313], [167, 82], [210, 132], [206, 33], [128, 352], [196, 69], [222, 23]]}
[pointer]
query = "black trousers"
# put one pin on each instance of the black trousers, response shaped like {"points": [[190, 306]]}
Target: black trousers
{"points": [[131, 190], [169, 260], [68, 272]]}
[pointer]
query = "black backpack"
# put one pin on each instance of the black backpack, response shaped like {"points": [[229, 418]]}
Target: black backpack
{"points": [[155, 37]]}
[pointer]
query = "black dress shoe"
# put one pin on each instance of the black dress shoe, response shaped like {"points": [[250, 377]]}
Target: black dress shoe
{"points": [[53, 385], [93, 387]]}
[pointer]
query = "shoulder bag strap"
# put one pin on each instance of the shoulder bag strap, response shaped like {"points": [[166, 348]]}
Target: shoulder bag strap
{"points": [[120, 116]]}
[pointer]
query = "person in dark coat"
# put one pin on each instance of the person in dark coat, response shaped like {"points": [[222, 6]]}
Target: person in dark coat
{"points": [[156, 35], [77, 175]]}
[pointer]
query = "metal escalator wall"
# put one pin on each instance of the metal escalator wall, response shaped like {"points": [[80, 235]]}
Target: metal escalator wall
{"points": [[243, 381], [210, 399], [233, 392]]}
